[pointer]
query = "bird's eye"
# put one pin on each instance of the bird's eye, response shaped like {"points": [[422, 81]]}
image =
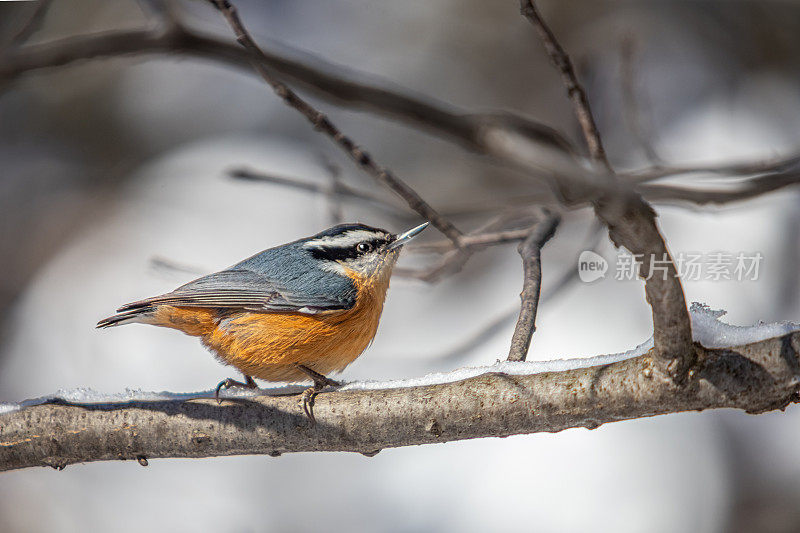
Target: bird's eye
{"points": [[364, 247]]}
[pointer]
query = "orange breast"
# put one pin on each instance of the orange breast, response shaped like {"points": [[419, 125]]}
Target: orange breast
{"points": [[268, 345]]}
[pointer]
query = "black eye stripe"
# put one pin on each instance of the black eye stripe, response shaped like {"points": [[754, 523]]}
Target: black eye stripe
{"points": [[340, 253], [333, 254]]}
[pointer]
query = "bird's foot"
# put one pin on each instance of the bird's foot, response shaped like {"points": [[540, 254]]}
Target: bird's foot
{"points": [[308, 395], [249, 383]]}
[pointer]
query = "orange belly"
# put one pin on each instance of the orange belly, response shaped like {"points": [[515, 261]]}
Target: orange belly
{"points": [[268, 345]]}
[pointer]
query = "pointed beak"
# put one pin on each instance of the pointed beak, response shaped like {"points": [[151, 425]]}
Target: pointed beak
{"points": [[407, 236]]}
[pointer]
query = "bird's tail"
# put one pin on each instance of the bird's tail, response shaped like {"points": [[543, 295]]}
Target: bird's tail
{"points": [[129, 316]]}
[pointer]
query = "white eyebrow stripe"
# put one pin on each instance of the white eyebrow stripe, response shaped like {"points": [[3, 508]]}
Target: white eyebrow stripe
{"points": [[344, 240]]}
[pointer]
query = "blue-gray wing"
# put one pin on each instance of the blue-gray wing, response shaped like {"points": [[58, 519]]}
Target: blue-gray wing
{"points": [[248, 290]]}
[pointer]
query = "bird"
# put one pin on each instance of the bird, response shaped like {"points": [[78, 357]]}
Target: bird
{"points": [[290, 313]]}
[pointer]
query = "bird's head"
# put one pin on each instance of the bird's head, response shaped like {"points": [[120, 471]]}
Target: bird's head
{"points": [[367, 252]]}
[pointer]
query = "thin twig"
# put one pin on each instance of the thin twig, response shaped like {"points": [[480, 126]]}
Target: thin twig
{"points": [[474, 240], [575, 91], [323, 124], [454, 258], [530, 250], [334, 200]]}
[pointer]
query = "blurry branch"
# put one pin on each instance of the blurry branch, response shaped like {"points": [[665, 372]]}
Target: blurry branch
{"points": [[786, 166], [756, 378], [483, 133], [741, 181], [530, 250], [631, 109], [323, 124], [746, 190], [575, 91], [164, 11]]}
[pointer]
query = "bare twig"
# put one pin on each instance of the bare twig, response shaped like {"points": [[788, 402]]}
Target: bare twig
{"points": [[577, 94], [337, 188], [333, 199], [530, 250], [474, 240], [756, 378], [453, 259], [164, 265]]}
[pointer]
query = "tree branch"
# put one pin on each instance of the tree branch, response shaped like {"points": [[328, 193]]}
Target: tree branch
{"points": [[530, 250], [757, 377]]}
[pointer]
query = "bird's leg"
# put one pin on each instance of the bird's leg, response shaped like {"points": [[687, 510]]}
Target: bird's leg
{"points": [[320, 382], [249, 383]]}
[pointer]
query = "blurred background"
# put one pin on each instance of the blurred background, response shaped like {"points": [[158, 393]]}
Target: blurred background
{"points": [[114, 185]]}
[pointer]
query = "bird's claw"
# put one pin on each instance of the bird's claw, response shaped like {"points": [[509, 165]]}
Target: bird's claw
{"points": [[308, 395], [227, 383]]}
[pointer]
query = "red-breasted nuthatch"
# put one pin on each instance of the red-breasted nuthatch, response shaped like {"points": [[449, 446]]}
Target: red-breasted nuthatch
{"points": [[290, 313]]}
